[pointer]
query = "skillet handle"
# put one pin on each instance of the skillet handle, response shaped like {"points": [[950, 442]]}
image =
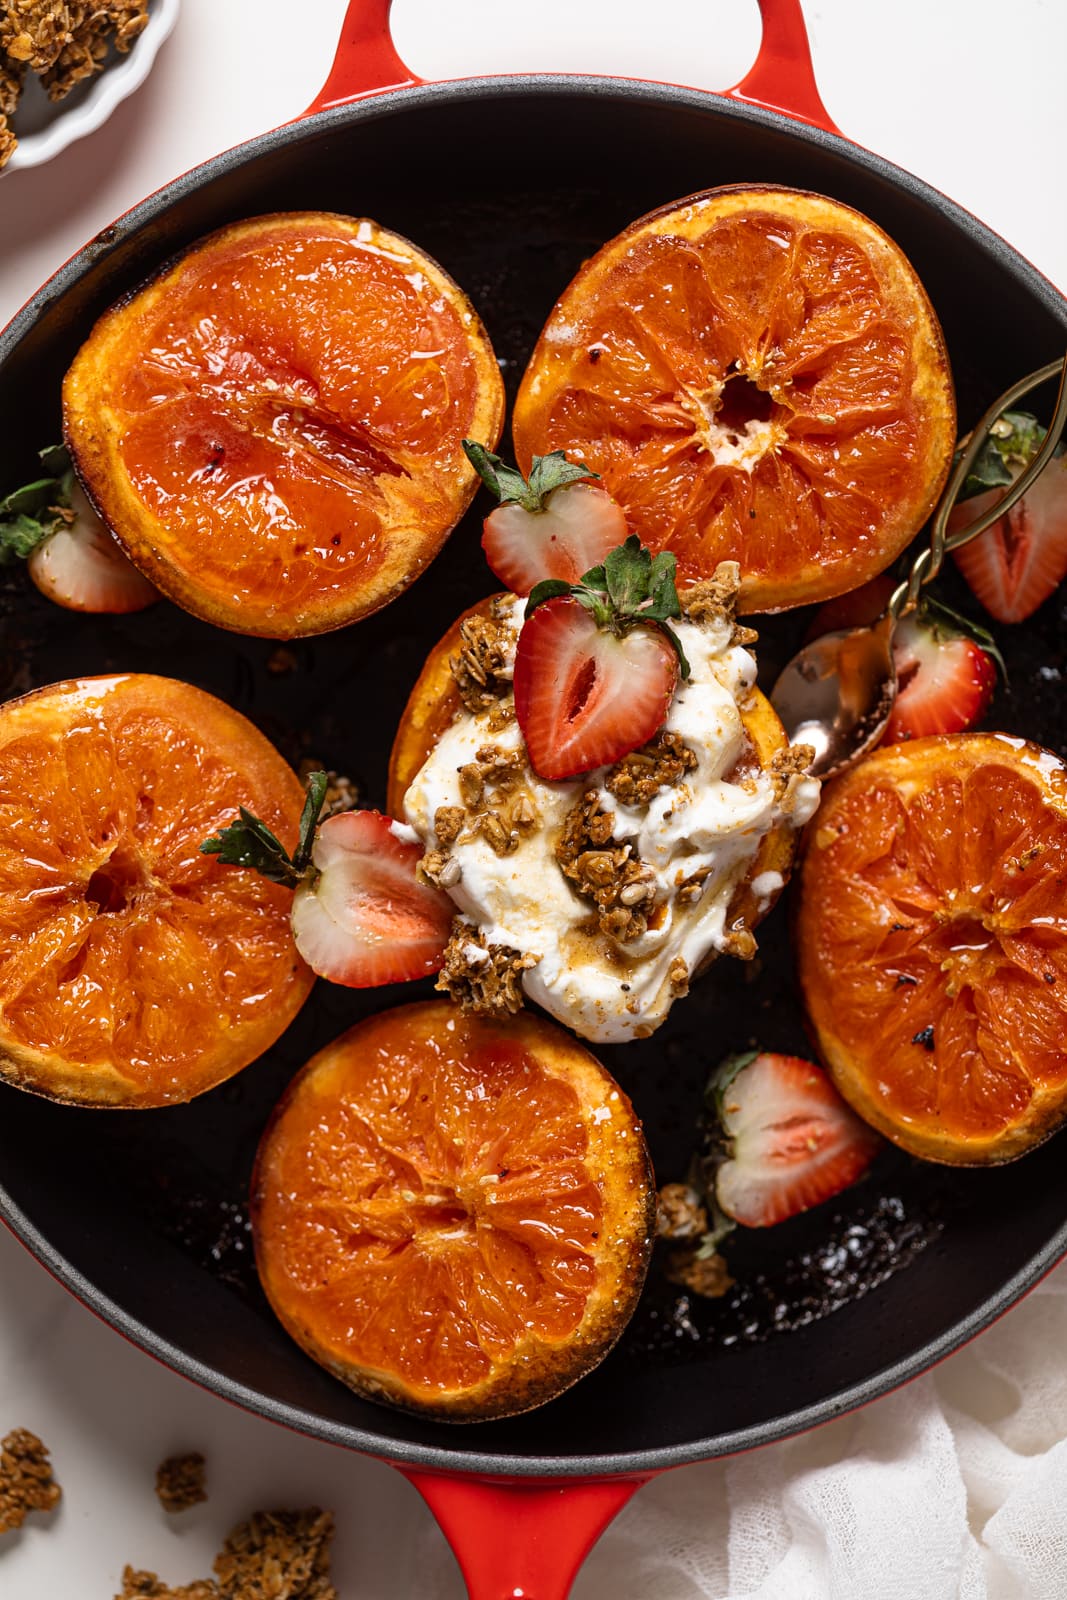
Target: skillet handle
{"points": [[781, 78], [515, 1538]]}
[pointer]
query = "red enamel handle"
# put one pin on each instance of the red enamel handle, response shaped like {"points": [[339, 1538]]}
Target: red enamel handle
{"points": [[781, 77], [518, 1540]]}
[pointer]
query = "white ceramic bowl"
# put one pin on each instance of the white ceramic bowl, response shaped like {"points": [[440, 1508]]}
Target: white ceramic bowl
{"points": [[51, 126]]}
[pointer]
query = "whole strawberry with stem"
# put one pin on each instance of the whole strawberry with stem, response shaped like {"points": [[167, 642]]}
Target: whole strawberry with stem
{"points": [[361, 916], [597, 662], [555, 524]]}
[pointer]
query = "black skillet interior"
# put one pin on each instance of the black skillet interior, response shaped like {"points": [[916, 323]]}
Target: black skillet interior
{"points": [[510, 185]]}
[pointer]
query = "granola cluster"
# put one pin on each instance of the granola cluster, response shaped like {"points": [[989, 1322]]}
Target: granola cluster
{"points": [[497, 806], [662, 763], [62, 42], [481, 977], [180, 1482], [26, 1481], [480, 667], [788, 770], [714, 599], [275, 1555], [618, 882]]}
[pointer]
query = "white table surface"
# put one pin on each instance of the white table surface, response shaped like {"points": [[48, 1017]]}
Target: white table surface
{"points": [[967, 93]]}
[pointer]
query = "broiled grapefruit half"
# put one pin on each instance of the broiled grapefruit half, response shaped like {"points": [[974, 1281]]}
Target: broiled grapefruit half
{"points": [[271, 427], [931, 941], [435, 700], [135, 970], [454, 1215], [757, 374]]}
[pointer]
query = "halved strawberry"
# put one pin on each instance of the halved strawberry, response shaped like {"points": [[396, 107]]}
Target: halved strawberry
{"points": [[556, 524], [946, 664], [69, 553], [361, 916], [365, 918], [584, 697], [792, 1142], [1017, 563], [946, 674]]}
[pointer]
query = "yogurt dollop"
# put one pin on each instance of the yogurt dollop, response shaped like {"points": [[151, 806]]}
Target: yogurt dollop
{"points": [[705, 828]]}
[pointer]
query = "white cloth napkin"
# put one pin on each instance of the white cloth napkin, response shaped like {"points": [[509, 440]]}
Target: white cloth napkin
{"points": [[953, 1488]]}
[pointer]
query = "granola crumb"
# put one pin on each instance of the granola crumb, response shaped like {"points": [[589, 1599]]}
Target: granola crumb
{"points": [[341, 793], [740, 943], [660, 764], [448, 824], [496, 805], [275, 1555], [713, 599], [138, 1585], [680, 1212], [479, 669], [26, 1481], [480, 977], [439, 868], [678, 974], [180, 1482], [11, 76], [278, 1555], [789, 768], [703, 1274], [282, 661]]}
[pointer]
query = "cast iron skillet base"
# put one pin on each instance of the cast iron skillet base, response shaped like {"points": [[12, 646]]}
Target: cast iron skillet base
{"points": [[510, 184]]}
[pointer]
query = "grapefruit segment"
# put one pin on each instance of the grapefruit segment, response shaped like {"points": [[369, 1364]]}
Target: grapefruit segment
{"points": [[932, 943], [757, 375], [272, 426], [454, 1215]]}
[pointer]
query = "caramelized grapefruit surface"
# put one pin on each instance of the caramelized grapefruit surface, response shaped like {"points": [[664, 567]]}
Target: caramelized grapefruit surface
{"points": [[758, 375], [272, 426], [134, 970], [454, 1215], [931, 943]]}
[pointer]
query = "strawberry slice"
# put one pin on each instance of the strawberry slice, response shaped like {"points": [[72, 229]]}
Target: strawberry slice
{"points": [[597, 662], [555, 524], [792, 1142], [366, 919], [946, 664], [69, 553], [946, 674], [361, 916], [583, 696]]}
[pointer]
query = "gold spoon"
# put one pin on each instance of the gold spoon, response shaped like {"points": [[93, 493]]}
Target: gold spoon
{"points": [[837, 693]]}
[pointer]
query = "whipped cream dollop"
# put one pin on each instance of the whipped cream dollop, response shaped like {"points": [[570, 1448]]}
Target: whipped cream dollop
{"points": [[698, 835]]}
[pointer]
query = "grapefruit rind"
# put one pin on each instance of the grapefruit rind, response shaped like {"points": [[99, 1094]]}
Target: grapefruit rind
{"points": [[282, 581], [579, 330], [985, 1105], [536, 1368]]}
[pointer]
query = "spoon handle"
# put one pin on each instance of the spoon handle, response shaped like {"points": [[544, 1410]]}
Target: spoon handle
{"points": [[928, 564]]}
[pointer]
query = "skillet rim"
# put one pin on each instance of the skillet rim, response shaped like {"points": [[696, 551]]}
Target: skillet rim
{"points": [[385, 104]]}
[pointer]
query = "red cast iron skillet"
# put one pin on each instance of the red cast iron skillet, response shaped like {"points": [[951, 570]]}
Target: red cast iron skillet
{"points": [[511, 183]]}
